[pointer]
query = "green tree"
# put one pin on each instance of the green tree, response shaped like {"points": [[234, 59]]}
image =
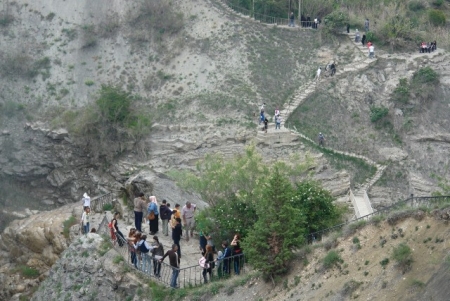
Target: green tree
{"points": [[336, 21], [278, 229], [317, 206]]}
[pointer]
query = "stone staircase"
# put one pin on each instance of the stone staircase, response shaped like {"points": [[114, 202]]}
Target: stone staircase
{"points": [[359, 198]]}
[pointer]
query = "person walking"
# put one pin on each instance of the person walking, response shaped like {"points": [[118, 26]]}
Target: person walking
{"points": [[187, 213], [165, 213], [319, 71], [292, 20], [153, 215], [139, 208], [177, 233], [85, 220], [366, 25], [174, 260], [321, 139], [266, 124], [363, 40]]}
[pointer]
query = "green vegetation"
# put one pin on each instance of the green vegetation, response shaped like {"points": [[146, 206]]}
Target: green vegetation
{"points": [[246, 194], [331, 259], [67, 224], [336, 21], [89, 35], [28, 272], [89, 82], [378, 113], [402, 254], [22, 65], [109, 124], [108, 207], [384, 262], [118, 259], [436, 17]]}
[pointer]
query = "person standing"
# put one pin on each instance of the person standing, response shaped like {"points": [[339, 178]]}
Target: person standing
{"points": [[366, 25], [209, 256], [278, 122], [371, 51], [157, 253], [85, 219], [237, 253], [174, 260], [292, 20], [176, 213], [165, 214], [177, 233], [139, 207], [131, 242], [261, 113], [115, 226], [86, 201], [363, 40], [266, 124], [348, 28], [225, 258], [153, 215], [187, 213]]}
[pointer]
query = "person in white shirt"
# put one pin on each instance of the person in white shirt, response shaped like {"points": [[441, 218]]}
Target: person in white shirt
{"points": [[86, 201], [187, 214], [85, 220], [371, 51], [318, 73]]}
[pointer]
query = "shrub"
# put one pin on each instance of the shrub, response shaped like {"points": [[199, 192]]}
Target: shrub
{"points": [[425, 75], [378, 113], [438, 3], [89, 82], [331, 259], [6, 19], [336, 21], [436, 17], [67, 224], [416, 6], [118, 259], [402, 254], [384, 262], [89, 35], [108, 207], [350, 287], [401, 92]]}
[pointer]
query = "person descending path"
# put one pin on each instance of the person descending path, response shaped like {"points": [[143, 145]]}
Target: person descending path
{"points": [[319, 71], [139, 208], [86, 201], [321, 139]]}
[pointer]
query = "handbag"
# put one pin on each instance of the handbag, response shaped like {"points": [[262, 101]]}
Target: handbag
{"points": [[202, 262], [151, 216]]}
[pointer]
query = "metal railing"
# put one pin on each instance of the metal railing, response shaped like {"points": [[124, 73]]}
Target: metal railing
{"points": [[98, 203], [162, 272], [412, 202], [268, 19]]}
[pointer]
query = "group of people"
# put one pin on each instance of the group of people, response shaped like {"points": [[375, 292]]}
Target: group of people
{"points": [[370, 45], [428, 47], [305, 22], [265, 120]]}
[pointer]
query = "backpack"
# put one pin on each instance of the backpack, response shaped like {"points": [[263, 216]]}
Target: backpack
{"points": [[202, 263], [143, 248]]}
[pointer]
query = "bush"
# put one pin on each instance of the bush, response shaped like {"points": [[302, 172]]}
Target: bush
{"points": [[108, 207], [331, 259], [336, 21], [401, 92], [111, 125], [402, 254], [416, 6], [378, 113], [384, 262], [436, 17], [67, 224], [89, 35], [425, 75]]}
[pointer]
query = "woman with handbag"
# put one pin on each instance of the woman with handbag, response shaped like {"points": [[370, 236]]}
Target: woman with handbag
{"points": [[153, 215]]}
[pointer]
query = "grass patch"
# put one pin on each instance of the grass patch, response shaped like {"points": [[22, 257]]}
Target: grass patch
{"points": [[67, 224], [118, 259], [402, 254], [108, 207], [28, 272], [331, 259]]}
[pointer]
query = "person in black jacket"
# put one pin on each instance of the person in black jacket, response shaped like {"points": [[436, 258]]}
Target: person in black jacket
{"points": [[165, 213], [209, 256], [177, 233]]}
